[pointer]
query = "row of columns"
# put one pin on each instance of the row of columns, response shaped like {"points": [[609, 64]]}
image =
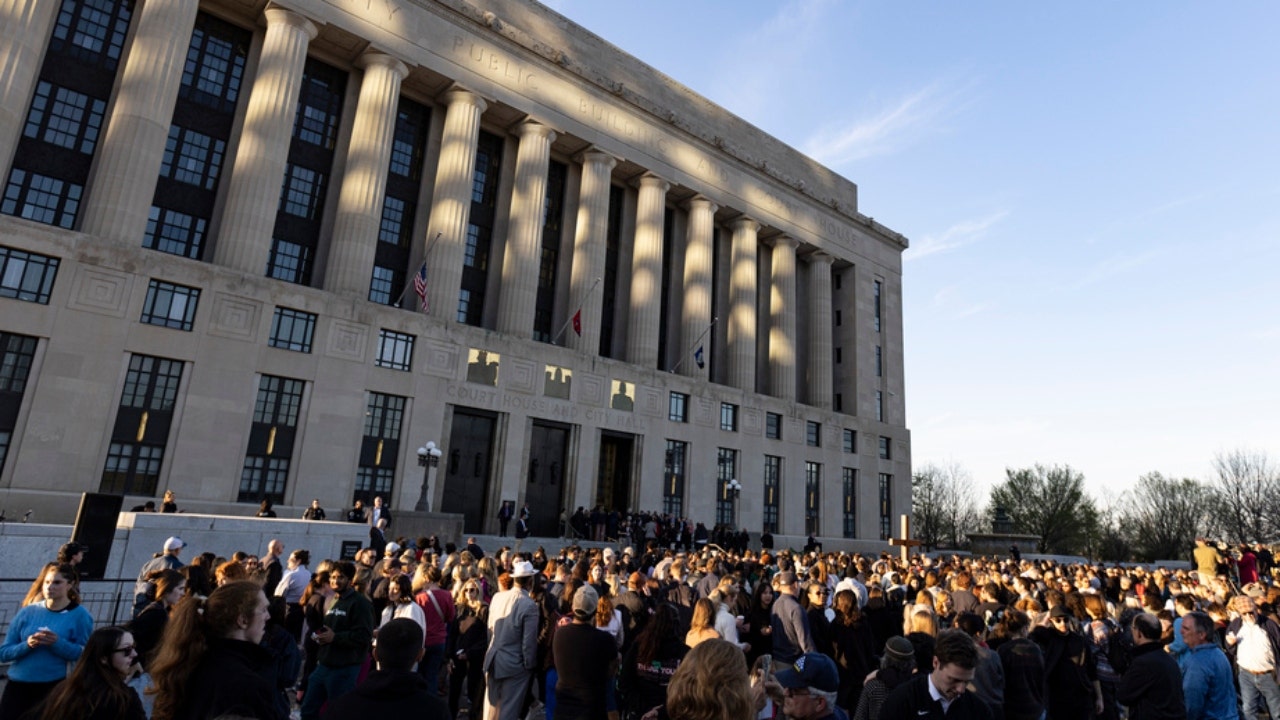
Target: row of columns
{"points": [[125, 173]]}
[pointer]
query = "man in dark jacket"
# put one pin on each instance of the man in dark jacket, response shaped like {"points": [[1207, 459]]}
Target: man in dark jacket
{"points": [[1152, 687], [344, 640], [942, 694], [395, 689]]}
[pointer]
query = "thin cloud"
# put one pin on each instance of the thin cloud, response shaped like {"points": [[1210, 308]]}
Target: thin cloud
{"points": [[965, 232], [891, 128], [1114, 266]]}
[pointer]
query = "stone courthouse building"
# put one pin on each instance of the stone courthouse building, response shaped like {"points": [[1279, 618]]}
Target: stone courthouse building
{"points": [[254, 250]]}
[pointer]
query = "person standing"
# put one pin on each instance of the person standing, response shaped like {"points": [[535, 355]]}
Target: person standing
{"points": [[169, 503], [1152, 686], [378, 512], [943, 693], [343, 639], [271, 565], [393, 689], [791, 636], [167, 560], [504, 517], [314, 512], [513, 645], [1254, 640], [42, 639], [1207, 686], [356, 513], [585, 661]]}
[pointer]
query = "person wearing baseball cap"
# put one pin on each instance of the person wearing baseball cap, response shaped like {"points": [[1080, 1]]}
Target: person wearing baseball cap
{"points": [[809, 688], [791, 635], [168, 560], [586, 661]]}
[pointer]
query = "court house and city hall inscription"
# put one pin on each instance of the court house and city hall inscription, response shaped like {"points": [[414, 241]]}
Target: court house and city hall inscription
{"points": [[266, 250]]}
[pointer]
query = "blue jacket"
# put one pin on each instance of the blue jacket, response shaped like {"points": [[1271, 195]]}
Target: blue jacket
{"points": [[46, 663], [1207, 684]]}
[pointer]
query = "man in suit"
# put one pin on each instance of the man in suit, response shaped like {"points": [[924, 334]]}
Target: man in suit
{"points": [[376, 513], [513, 643]]}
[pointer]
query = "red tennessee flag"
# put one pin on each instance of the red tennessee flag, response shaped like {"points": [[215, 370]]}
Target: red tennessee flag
{"points": [[577, 322]]}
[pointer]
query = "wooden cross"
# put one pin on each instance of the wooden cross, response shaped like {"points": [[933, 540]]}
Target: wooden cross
{"points": [[906, 542]]}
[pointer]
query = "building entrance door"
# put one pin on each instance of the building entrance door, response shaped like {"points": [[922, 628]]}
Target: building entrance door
{"points": [[613, 484], [466, 467], [544, 491]]}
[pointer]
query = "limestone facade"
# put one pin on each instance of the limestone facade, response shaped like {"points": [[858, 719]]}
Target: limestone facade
{"points": [[631, 296]]}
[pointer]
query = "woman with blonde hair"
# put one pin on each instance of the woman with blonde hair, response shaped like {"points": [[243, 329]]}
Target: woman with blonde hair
{"points": [[488, 576], [702, 627], [210, 661], [465, 649], [922, 632], [711, 684]]}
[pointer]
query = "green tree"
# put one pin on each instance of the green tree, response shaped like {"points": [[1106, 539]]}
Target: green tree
{"points": [[943, 505], [1164, 516], [1050, 502]]}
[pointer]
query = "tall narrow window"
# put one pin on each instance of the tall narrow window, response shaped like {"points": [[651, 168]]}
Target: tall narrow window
{"points": [[726, 495], [306, 174], [879, 288], [886, 505], [484, 205], [673, 481], [849, 481], [400, 206], [879, 406], [271, 439], [141, 431], [850, 441], [17, 352], [379, 447], [68, 108], [549, 259], [196, 150], [772, 492], [812, 498], [773, 426], [879, 361], [728, 417], [813, 434], [678, 407], [884, 445]]}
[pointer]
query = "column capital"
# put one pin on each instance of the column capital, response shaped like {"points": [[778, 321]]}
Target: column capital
{"points": [[742, 222], [786, 241], [701, 201], [532, 128], [456, 94], [651, 180], [820, 257], [595, 155], [284, 16], [373, 58]]}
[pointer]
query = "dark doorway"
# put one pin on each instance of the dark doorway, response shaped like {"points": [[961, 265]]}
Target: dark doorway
{"points": [[548, 447], [466, 467], [613, 484]]}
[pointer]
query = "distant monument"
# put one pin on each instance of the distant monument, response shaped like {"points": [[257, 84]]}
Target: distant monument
{"points": [[1002, 537]]}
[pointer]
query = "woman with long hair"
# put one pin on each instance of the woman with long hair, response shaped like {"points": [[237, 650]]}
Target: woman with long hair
{"points": [[468, 640], [760, 621], [35, 593], [703, 625], [148, 627], [313, 601], [711, 684], [96, 689], [400, 603], [854, 647], [210, 661], [650, 663], [42, 638]]}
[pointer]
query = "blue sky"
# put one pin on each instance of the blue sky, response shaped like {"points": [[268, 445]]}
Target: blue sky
{"points": [[1091, 192]]}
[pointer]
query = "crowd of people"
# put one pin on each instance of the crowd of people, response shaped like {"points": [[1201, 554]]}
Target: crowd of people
{"points": [[694, 632]]}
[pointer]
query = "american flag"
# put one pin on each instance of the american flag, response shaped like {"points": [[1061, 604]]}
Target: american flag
{"points": [[420, 287]]}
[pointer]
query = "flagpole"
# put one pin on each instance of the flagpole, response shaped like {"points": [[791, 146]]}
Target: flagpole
{"points": [[689, 350], [425, 256], [579, 309]]}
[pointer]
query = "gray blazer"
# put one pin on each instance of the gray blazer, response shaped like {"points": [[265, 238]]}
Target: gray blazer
{"points": [[513, 633]]}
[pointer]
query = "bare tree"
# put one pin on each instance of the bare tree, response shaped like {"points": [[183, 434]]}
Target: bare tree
{"points": [[1246, 495], [944, 505], [1164, 516], [1050, 502]]}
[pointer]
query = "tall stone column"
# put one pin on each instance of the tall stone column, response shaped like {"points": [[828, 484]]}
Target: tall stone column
{"points": [[743, 253], [23, 36], [451, 202], [646, 272], [782, 319], [698, 264], [590, 235], [124, 177], [253, 194], [364, 183], [519, 296], [820, 380]]}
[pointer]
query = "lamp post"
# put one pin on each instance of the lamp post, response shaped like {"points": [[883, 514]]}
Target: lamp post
{"points": [[734, 489], [428, 457]]}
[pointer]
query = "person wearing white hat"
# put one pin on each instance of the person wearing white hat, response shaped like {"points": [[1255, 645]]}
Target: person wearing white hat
{"points": [[513, 643], [168, 560]]}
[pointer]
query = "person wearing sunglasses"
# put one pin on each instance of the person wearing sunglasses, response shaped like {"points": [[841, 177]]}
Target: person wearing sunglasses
{"points": [[96, 689]]}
